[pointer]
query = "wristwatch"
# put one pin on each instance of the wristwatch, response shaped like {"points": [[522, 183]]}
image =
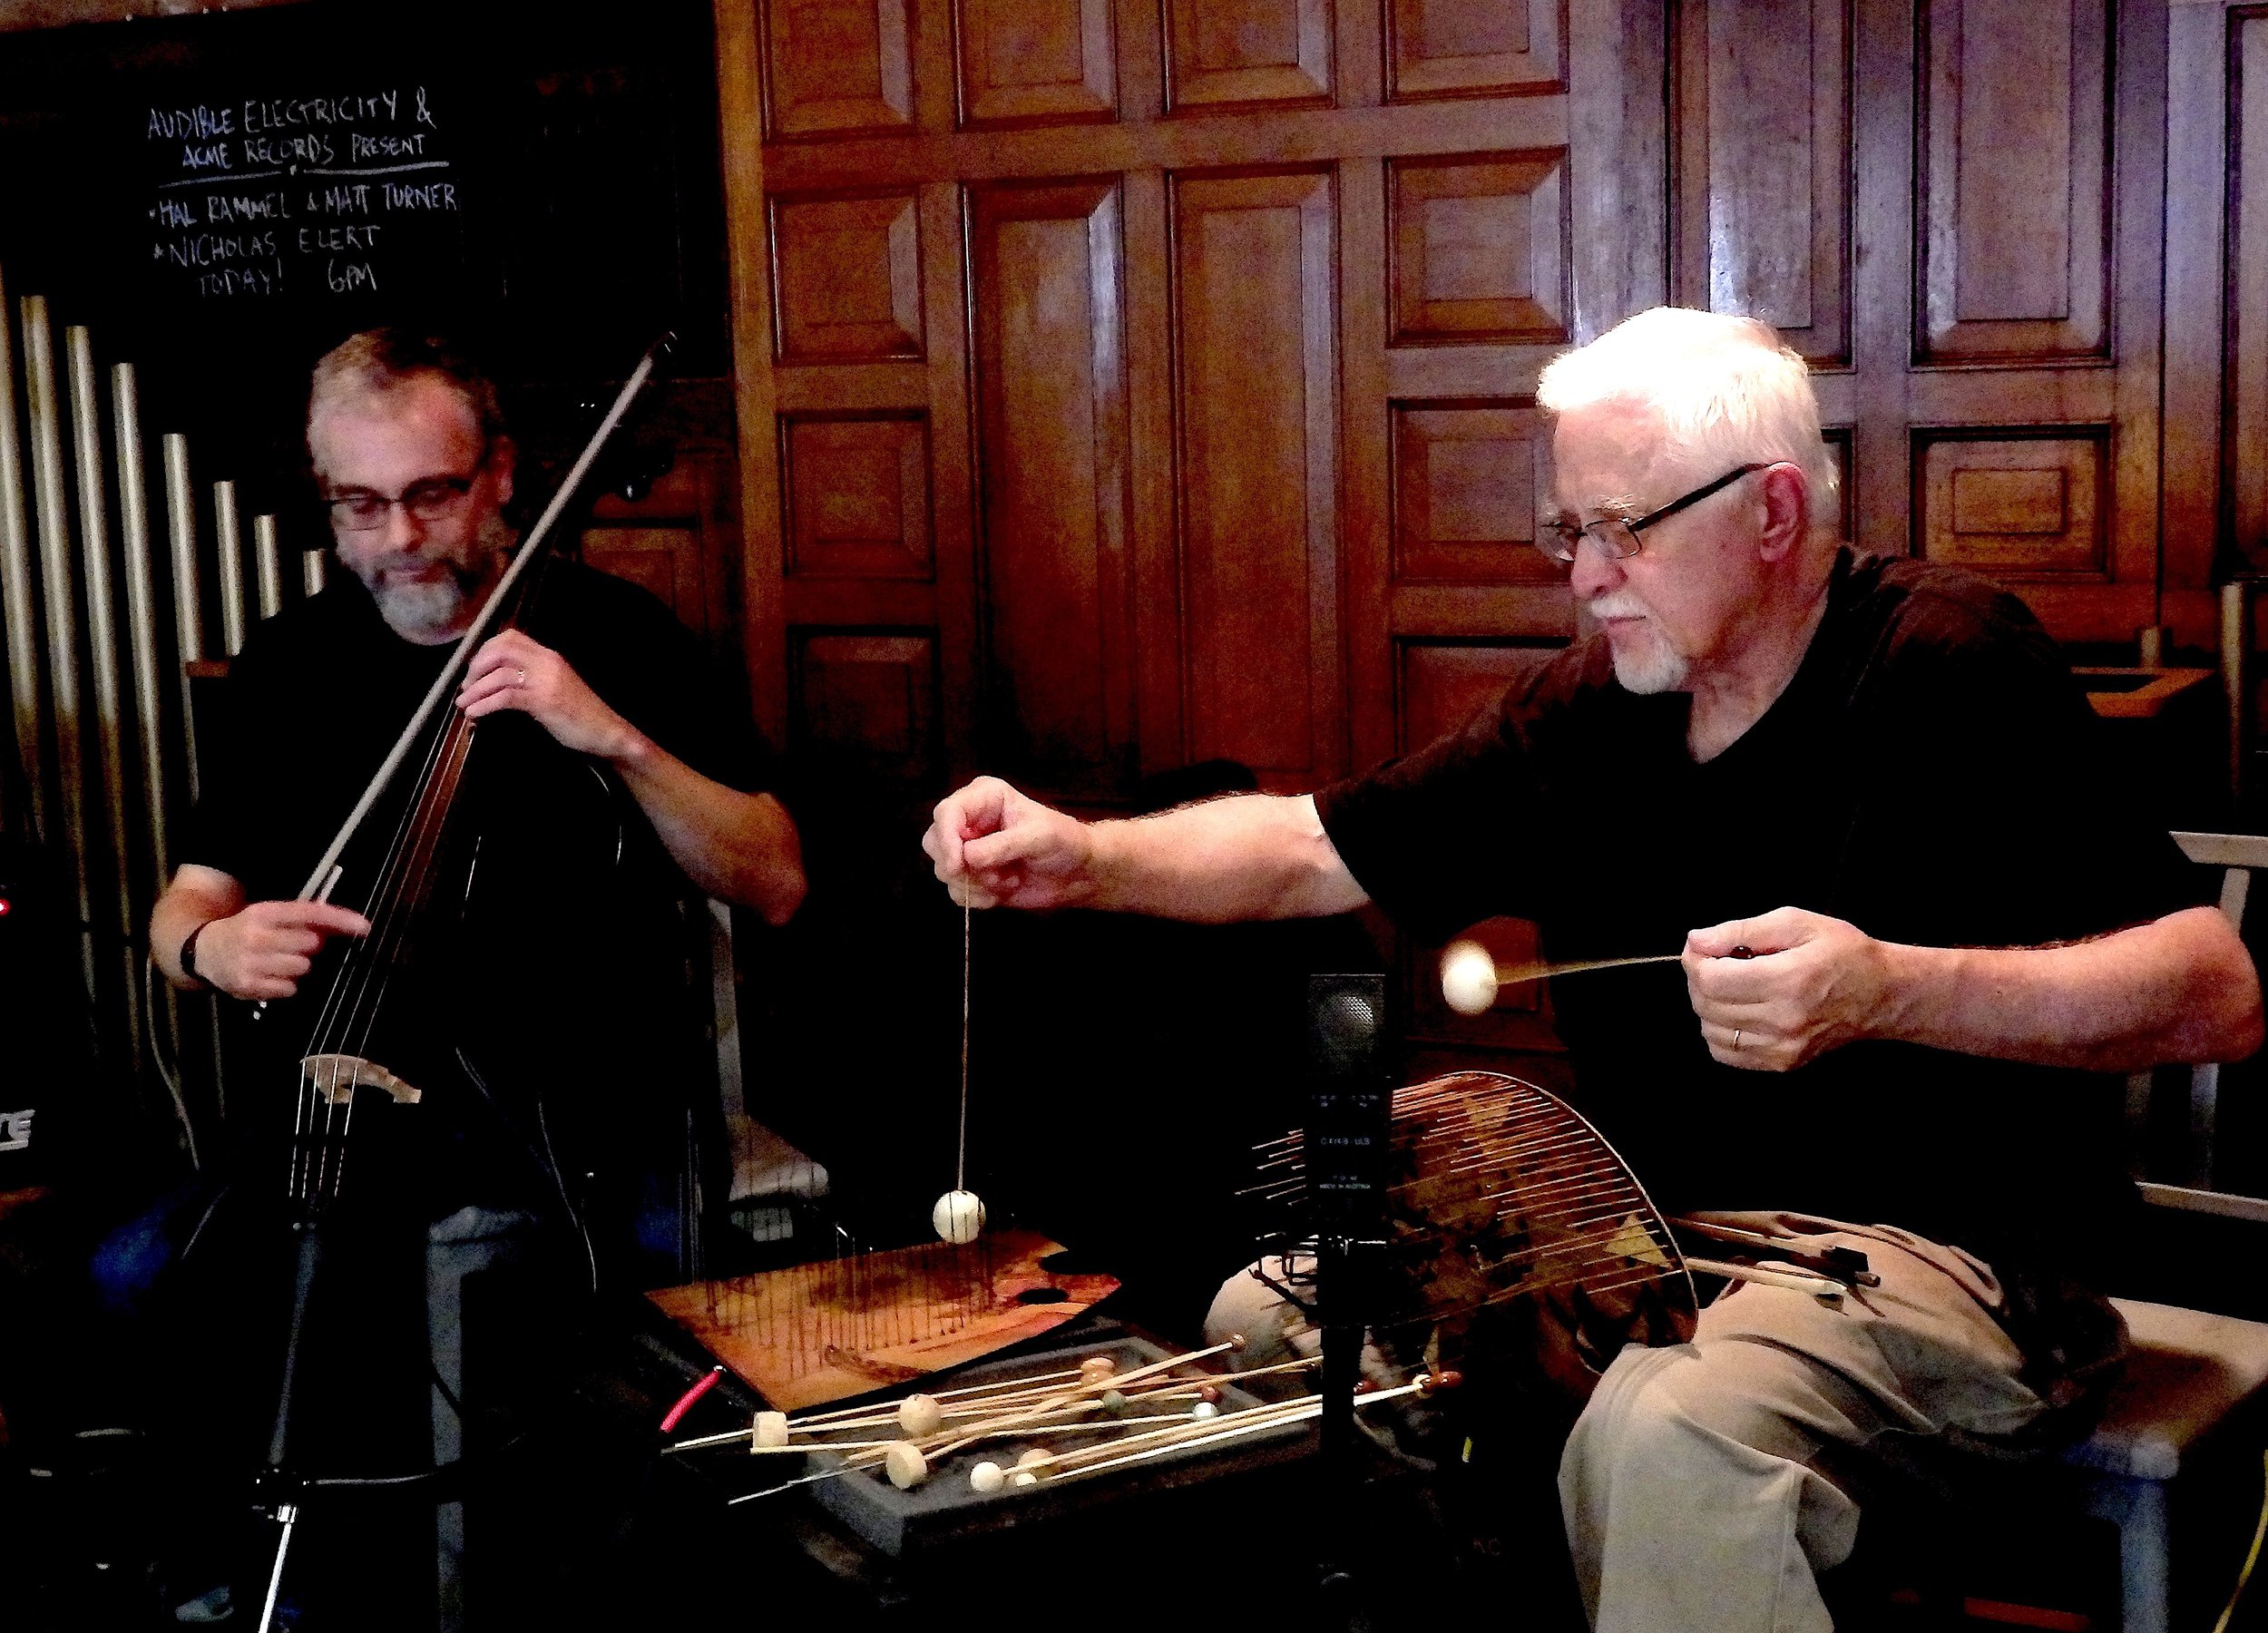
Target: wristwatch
{"points": [[189, 954]]}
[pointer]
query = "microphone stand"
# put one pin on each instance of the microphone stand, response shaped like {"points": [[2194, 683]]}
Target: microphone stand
{"points": [[1346, 1144]]}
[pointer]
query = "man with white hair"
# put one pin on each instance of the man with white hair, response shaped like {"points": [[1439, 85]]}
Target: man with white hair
{"points": [[1878, 778]]}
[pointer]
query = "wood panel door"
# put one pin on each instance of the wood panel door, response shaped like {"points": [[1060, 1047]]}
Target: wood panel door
{"points": [[1126, 383], [1952, 207]]}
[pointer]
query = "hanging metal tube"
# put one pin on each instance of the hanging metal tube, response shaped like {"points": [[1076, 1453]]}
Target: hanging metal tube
{"points": [[231, 542], [315, 570], [2236, 667], [188, 623], [142, 612], [267, 552], [17, 613], [110, 715], [51, 496]]}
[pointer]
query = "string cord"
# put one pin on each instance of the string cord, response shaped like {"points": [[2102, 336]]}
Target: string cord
{"points": [[961, 1160]]}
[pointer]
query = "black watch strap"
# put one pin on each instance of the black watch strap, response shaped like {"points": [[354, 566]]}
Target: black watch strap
{"points": [[189, 954]]}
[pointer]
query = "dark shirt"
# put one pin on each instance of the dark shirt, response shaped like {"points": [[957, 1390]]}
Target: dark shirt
{"points": [[1931, 773], [551, 952]]}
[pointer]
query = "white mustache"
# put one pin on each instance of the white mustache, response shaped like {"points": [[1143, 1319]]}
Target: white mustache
{"points": [[1620, 603]]}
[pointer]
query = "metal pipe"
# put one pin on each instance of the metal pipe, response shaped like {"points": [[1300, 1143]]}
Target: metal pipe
{"points": [[189, 638], [231, 538], [51, 495], [268, 552], [315, 567], [188, 622], [17, 613], [101, 617], [2236, 668], [188, 647], [141, 611]]}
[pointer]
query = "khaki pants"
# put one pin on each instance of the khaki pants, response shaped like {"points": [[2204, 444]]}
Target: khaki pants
{"points": [[1706, 1484]]}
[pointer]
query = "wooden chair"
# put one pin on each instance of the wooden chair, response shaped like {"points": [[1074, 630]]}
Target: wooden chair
{"points": [[2193, 1402], [2174, 1467]]}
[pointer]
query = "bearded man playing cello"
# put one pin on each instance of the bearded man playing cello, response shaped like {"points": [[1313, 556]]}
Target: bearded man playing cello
{"points": [[541, 1009], [1822, 759], [416, 468]]}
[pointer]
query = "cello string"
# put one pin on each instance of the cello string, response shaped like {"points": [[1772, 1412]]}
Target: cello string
{"points": [[408, 890], [347, 980], [382, 896], [359, 982], [407, 879], [388, 958]]}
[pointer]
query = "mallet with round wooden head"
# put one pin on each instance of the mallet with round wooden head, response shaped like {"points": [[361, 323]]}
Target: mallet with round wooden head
{"points": [[1470, 976]]}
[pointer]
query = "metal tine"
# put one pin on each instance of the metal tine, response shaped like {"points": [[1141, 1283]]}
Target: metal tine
{"points": [[51, 497], [17, 613]]}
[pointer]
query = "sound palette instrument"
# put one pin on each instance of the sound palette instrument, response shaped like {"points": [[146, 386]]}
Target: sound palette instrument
{"points": [[814, 1332], [1516, 1235], [1013, 1442]]}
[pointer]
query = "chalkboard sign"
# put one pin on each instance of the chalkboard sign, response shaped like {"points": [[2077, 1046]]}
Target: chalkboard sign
{"points": [[221, 198], [274, 194]]}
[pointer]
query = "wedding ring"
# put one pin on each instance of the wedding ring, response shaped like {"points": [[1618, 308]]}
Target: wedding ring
{"points": [[1736, 1037]]}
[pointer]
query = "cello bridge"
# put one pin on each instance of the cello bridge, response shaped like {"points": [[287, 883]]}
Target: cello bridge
{"points": [[336, 1078]]}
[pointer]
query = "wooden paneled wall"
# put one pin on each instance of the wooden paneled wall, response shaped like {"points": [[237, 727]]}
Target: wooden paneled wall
{"points": [[1125, 383]]}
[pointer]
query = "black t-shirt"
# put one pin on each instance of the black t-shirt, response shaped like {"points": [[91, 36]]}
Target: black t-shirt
{"points": [[551, 952], [1930, 773]]}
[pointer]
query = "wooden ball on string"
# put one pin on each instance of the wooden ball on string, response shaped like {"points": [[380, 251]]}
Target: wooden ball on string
{"points": [[958, 1217]]}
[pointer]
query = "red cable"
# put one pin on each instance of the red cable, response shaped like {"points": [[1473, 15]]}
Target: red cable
{"points": [[685, 1402]]}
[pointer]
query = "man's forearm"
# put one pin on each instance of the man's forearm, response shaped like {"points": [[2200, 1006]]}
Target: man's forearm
{"points": [[2179, 989], [1247, 856], [186, 903], [740, 848]]}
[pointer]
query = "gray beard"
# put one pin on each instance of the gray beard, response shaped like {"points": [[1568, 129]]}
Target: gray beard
{"points": [[424, 613], [428, 614]]}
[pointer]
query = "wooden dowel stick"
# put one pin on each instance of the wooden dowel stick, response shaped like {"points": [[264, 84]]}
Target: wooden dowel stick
{"points": [[1157, 1388], [812, 1420], [1819, 1286], [1248, 1422]]}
